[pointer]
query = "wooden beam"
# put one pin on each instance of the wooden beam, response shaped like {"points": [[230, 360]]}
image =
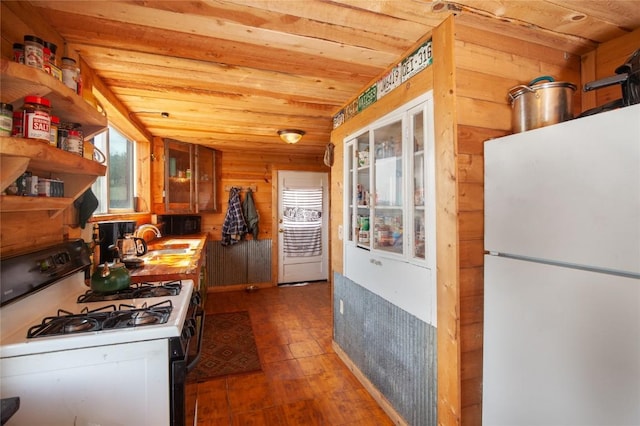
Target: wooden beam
{"points": [[447, 257]]}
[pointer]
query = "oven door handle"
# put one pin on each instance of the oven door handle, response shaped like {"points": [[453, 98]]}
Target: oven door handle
{"points": [[193, 362]]}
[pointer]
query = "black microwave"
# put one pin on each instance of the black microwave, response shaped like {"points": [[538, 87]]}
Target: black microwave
{"points": [[179, 224]]}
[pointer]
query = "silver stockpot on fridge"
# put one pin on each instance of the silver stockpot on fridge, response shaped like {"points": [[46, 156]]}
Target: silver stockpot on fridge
{"points": [[541, 103]]}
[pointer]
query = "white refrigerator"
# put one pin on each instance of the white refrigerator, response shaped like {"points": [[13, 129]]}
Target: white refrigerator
{"points": [[562, 274]]}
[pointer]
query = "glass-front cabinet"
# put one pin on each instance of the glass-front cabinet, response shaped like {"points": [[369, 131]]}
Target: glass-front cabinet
{"points": [[388, 173], [190, 178]]}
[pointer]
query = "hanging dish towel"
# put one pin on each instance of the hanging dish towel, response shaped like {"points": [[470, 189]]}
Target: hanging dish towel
{"points": [[250, 214], [234, 226], [86, 204]]}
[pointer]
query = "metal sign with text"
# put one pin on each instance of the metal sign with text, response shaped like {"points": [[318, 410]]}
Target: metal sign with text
{"points": [[418, 60]]}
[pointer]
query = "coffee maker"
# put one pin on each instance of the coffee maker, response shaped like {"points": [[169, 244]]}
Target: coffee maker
{"points": [[109, 232]]}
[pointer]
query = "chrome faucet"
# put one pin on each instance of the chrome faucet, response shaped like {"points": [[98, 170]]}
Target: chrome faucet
{"points": [[147, 227]]}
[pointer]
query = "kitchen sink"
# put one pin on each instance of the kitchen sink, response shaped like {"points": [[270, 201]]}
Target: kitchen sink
{"points": [[163, 251], [169, 257]]}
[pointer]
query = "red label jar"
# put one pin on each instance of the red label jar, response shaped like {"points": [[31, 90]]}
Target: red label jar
{"points": [[36, 121]]}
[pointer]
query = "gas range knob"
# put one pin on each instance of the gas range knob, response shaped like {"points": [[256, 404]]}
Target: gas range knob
{"points": [[62, 258], [196, 298], [189, 329]]}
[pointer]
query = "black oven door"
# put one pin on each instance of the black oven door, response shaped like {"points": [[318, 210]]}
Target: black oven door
{"points": [[185, 353]]}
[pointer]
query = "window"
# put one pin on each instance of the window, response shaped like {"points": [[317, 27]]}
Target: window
{"points": [[115, 191]]}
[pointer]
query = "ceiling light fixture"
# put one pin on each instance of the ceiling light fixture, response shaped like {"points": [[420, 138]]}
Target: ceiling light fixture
{"points": [[291, 135]]}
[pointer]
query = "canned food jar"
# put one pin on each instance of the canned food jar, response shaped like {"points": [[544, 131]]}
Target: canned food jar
{"points": [[46, 57], [74, 142], [55, 125], [17, 130], [53, 60], [36, 121], [33, 51], [70, 73], [18, 53], [6, 119]]}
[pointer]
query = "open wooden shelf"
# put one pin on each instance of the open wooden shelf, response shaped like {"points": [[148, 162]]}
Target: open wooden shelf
{"points": [[18, 155], [18, 80]]}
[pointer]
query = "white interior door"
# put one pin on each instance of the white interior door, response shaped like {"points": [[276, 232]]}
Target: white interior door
{"points": [[303, 231]]}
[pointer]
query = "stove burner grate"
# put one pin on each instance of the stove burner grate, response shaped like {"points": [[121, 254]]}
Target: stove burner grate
{"points": [[135, 291], [104, 318]]}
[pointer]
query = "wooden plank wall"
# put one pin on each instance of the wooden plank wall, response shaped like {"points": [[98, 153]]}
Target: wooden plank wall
{"points": [[487, 65], [602, 62], [241, 168]]}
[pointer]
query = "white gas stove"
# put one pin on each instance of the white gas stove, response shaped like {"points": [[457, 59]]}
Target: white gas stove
{"points": [[121, 361]]}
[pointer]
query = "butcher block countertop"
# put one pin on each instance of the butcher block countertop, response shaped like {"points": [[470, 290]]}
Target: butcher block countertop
{"points": [[172, 258]]}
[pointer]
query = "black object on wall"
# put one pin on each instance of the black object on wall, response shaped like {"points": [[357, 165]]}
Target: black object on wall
{"points": [[179, 224], [110, 232]]}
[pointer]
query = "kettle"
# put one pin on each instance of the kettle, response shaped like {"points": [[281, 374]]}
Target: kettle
{"points": [[111, 277], [131, 246]]}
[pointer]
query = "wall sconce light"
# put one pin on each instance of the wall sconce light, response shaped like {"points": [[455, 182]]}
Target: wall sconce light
{"points": [[291, 135]]}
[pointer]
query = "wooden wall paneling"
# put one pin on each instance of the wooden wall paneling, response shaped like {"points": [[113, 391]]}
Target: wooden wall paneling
{"points": [[23, 232], [471, 139], [471, 282], [609, 56], [488, 64], [447, 250], [236, 168], [18, 18], [470, 196], [143, 174], [587, 74], [612, 54], [520, 33], [471, 225], [337, 210], [500, 60], [157, 175], [471, 253], [471, 394]]}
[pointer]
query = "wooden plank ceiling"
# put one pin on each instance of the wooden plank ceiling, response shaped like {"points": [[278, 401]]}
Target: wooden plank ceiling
{"points": [[232, 72]]}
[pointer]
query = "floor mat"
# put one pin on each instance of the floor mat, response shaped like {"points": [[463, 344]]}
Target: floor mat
{"points": [[228, 347]]}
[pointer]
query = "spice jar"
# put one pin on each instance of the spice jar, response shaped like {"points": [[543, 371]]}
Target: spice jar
{"points": [[46, 57], [6, 119], [63, 134], [33, 51], [18, 53], [74, 142], [17, 130], [55, 124], [36, 120], [70, 73], [52, 49]]}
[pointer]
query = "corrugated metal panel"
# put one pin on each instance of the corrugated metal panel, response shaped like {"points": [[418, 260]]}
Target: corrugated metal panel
{"points": [[394, 349], [243, 263]]}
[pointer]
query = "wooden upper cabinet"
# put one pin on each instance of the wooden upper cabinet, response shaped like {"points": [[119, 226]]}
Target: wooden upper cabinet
{"points": [[190, 178]]}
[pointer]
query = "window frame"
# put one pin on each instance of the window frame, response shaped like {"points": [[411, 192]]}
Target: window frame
{"points": [[102, 186]]}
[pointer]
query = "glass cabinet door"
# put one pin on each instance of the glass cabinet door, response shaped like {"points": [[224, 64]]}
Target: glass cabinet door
{"points": [[362, 193], [205, 179], [388, 188], [178, 169], [389, 184], [418, 185]]}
